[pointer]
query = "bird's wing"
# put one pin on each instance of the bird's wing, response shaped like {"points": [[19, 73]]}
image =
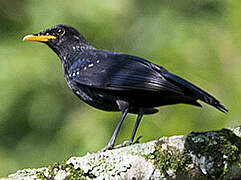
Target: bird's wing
{"points": [[119, 72]]}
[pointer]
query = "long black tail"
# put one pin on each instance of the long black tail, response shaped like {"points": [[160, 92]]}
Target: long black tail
{"points": [[196, 91]]}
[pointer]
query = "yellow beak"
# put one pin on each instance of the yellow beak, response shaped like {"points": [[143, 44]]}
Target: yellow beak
{"points": [[43, 38]]}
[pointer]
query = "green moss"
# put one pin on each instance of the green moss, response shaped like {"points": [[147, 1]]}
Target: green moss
{"points": [[214, 154], [218, 149], [169, 160], [40, 175], [73, 174], [76, 174]]}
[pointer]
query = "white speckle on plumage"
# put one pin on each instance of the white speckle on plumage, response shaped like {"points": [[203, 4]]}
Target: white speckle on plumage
{"points": [[90, 65], [64, 57], [76, 37], [98, 61], [85, 68], [73, 74], [77, 72], [74, 48]]}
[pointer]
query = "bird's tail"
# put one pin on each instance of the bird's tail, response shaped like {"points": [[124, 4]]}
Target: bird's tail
{"points": [[196, 91], [209, 99]]}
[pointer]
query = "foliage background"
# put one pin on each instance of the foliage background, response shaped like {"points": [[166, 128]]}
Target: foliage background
{"points": [[41, 121]]}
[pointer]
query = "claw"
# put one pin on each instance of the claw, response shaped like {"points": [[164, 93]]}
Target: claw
{"points": [[125, 143], [108, 147], [137, 140]]}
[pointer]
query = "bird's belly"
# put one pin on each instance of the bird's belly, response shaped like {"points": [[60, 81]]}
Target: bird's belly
{"points": [[151, 99], [97, 98]]}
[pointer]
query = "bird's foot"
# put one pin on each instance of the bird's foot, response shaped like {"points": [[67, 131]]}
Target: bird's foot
{"points": [[124, 144], [137, 140], [108, 147], [127, 143]]}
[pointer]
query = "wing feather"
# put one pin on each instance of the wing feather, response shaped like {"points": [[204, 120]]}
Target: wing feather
{"points": [[119, 72]]}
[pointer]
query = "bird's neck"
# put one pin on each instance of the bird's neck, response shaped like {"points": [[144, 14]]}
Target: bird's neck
{"points": [[67, 53]]}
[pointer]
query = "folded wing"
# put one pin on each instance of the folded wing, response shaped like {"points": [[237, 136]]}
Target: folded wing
{"points": [[120, 72]]}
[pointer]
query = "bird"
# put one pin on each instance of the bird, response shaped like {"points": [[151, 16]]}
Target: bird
{"points": [[114, 81]]}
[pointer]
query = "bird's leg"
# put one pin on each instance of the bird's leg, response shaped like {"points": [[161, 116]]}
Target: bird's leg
{"points": [[111, 142], [129, 142], [138, 120]]}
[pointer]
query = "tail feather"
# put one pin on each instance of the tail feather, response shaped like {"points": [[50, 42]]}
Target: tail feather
{"points": [[207, 98], [195, 91]]}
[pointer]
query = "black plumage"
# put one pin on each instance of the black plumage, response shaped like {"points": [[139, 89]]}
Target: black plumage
{"points": [[114, 81]]}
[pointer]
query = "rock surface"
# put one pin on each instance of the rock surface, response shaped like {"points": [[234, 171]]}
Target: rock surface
{"points": [[198, 155]]}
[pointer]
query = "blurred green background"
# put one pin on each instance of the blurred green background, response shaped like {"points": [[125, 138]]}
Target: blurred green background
{"points": [[41, 120]]}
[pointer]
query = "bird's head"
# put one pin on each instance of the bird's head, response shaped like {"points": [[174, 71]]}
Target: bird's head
{"points": [[64, 40]]}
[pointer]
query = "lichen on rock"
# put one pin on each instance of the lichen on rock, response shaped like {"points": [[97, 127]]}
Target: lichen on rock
{"points": [[170, 157], [214, 152]]}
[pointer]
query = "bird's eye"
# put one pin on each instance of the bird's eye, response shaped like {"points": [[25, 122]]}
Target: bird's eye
{"points": [[60, 31]]}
